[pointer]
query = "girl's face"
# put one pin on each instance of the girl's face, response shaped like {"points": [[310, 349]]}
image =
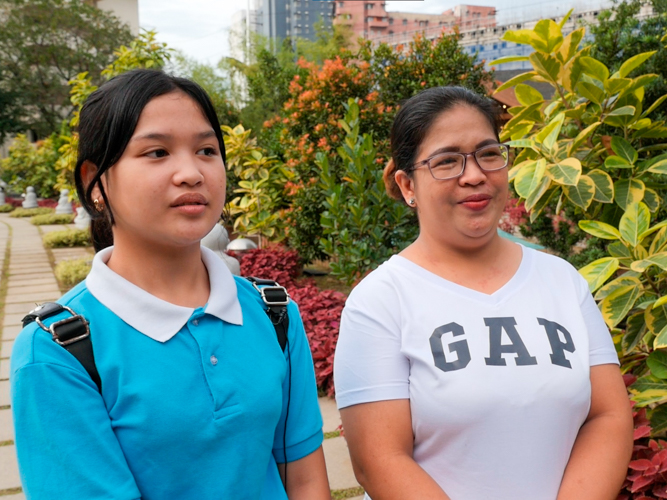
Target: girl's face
{"points": [[168, 188], [463, 211]]}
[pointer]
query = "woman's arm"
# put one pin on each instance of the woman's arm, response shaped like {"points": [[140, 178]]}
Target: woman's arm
{"points": [[599, 460], [379, 436], [307, 478]]}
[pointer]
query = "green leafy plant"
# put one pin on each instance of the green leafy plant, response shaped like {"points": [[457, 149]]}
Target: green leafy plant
{"points": [[259, 205], [52, 218], [72, 271], [361, 225], [6, 208], [30, 212], [67, 238]]}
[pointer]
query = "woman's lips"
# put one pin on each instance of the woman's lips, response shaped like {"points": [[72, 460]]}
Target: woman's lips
{"points": [[476, 201]]}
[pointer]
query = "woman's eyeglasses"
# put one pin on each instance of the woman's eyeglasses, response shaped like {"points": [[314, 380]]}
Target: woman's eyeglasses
{"points": [[450, 165]]}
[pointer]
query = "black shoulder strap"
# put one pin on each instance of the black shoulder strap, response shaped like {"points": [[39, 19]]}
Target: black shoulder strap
{"points": [[71, 333], [276, 299]]}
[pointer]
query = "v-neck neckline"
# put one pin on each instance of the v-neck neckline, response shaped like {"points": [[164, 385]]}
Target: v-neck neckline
{"points": [[508, 289]]}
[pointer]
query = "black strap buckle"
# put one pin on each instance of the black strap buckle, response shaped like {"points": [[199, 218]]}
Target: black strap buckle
{"points": [[66, 331], [272, 293]]}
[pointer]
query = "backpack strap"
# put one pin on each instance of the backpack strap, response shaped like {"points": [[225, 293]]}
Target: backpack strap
{"points": [[72, 333], [275, 298]]}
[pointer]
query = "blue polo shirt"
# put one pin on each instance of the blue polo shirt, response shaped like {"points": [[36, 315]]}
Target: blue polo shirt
{"points": [[193, 401]]}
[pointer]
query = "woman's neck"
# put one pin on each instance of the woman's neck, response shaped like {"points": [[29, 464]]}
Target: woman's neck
{"points": [[484, 267], [175, 275]]}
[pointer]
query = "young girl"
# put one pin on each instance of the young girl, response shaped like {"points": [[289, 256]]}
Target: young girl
{"points": [[195, 397]]}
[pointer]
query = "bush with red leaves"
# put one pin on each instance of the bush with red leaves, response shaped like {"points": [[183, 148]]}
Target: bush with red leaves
{"points": [[647, 472], [320, 309], [513, 216], [17, 202]]}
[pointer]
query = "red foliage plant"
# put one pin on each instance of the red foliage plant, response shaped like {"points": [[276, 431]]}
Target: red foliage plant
{"points": [[647, 473], [320, 309], [514, 215]]}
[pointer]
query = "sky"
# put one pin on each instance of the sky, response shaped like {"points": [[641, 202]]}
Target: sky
{"points": [[200, 28]]}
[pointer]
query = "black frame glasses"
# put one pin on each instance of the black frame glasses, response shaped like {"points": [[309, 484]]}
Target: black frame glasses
{"points": [[483, 156]]}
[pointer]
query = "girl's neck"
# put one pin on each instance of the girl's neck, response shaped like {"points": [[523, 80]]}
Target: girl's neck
{"points": [[175, 275]]}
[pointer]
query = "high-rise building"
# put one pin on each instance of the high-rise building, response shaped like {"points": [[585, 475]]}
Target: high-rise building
{"points": [[126, 10], [281, 19]]}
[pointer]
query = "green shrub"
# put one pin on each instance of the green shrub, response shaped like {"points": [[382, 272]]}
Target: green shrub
{"points": [[30, 212], [67, 238], [72, 272], [7, 207], [46, 219]]}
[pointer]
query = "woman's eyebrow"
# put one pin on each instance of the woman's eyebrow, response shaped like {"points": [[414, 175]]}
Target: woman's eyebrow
{"points": [[456, 149]]}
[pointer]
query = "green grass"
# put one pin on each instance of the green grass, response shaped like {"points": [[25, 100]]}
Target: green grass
{"points": [[347, 493], [71, 272], [67, 238], [48, 219], [29, 212]]}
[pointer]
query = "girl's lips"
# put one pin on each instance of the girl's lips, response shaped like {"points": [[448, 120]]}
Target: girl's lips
{"points": [[190, 209]]}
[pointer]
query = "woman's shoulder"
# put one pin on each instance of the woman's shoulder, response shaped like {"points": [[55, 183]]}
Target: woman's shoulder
{"points": [[556, 270], [33, 344]]}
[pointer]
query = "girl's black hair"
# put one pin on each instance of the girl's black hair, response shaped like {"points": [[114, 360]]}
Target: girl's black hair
{"points": [[107, 122], [414, 119]]}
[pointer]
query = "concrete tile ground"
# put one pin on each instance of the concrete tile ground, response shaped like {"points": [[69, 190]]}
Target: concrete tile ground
{"points": [[31, 280]]}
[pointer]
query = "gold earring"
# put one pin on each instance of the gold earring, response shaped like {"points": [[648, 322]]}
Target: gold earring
{"points": [[98, 206]]}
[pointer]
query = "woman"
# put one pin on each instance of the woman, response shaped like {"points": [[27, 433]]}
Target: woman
{"points": [[195, 390], [469, 367]]}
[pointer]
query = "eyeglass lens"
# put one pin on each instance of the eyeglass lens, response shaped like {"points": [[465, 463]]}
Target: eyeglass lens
{"points": [[448, 165]]}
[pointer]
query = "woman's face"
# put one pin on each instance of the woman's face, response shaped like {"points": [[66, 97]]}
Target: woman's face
{"points": [[463, 211], [168, 188]]}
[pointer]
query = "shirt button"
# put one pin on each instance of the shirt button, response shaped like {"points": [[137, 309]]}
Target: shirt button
{"points": [[214, 360], [195, 322]]}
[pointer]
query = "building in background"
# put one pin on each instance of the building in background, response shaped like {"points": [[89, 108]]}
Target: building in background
{"points": [[126, 10], [291, 19], [370, 20]]}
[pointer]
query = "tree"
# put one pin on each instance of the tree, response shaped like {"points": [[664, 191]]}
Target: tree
{"points": [[618, 35], [214, 83], [46, 43]]}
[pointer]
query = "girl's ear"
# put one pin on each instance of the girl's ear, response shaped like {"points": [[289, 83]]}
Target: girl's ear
{"points": [[88, 172]]}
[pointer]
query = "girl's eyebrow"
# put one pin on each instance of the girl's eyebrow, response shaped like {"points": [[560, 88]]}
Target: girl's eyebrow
{"points": [[169, 137]]}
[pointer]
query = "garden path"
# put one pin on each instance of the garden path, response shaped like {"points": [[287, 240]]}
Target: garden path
{"points": [[27, 278]]}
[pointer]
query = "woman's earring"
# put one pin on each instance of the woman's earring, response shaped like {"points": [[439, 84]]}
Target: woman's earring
{"points": [[98, 206], [411, 202]]}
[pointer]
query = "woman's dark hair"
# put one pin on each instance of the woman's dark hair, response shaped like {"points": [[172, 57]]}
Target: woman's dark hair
{"points": [[107, 122], [414, 119]]}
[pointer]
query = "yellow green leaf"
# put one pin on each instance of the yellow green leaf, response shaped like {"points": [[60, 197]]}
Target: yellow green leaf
{"points": [[550, 33], [508, 59], [581, 137], [659, 167], [655, 104], [633, 63], [622, 111], [615, 85], [595, 68], [599, 271], [634, 331], [616, 162], [591, 92], [653, 229], [549, 134], [516, 80], [600, 229], [566, 171], [656, 318], [660, 342], [524, 37], [547, 67], [527, 95], [628, 191], [659, 241], [618, 304], [661, 301], [624, 149], [657, 361], [635, 220], [614, 284], [581, 194], [652, 200], [604, 186], [529, 177], [571, 44], [658, 259], [537, 193]]}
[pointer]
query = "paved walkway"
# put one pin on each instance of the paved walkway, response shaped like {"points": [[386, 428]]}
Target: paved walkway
{"points": [[30, 280]]}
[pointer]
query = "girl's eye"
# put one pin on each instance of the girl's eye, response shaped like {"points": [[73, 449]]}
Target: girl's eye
{"points": [[208, 151], [158, 153]]}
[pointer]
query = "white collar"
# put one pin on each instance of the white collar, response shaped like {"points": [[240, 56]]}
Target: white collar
{"points": [[154, 317]]}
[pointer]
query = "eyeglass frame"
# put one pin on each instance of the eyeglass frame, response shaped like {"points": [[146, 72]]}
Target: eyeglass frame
{"points": [[465, 161]]}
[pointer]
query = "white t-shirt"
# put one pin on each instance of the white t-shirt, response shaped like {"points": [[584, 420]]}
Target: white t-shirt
{"points": [[498, 384]]}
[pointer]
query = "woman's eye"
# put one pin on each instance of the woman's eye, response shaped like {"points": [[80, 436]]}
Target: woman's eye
{"points": [[208, 151], [158, 153]]}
